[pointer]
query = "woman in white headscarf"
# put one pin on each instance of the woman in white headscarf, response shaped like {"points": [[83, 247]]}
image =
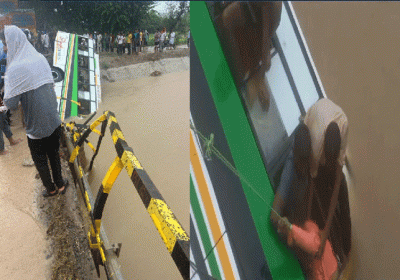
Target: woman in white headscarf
{"points": [[328, 127], [317, 119], [29, 81]]}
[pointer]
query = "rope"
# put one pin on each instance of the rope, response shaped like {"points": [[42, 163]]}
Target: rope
{"points": [[197, 271], [212, 249], [210, 149]]}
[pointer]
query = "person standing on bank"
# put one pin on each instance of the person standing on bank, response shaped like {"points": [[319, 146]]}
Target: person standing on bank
{"points": [[29, 80]]}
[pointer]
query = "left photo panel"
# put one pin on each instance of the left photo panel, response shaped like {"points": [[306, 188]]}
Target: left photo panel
{"points": [[94, 142]]}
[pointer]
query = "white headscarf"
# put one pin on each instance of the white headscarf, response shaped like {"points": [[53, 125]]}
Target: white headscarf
{"points": [[317, 119], [26, 69]]}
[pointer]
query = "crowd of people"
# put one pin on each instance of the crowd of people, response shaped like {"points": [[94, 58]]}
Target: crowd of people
{"points": [[133, 42], [43, 41]]}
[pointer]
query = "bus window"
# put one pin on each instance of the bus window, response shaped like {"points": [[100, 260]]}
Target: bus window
{"points": [[83, 44]]}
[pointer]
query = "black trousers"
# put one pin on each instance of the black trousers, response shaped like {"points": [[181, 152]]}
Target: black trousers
{"points": [[46, 149], [121, 49]]}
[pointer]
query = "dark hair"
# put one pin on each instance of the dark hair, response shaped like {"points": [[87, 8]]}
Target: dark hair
{"points": [[332, 141], [302, 142], [301, 155]]}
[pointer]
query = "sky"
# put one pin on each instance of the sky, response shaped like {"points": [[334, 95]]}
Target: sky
{"points": [[161, 6]]}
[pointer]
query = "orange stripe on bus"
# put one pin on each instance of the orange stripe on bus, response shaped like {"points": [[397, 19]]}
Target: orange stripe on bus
{"points": [[210, 211]]}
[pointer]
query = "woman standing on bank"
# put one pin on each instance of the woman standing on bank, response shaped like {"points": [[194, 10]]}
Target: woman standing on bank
{"points": [[29, 80]]}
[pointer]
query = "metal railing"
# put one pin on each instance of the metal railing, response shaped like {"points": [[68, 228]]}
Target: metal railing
{"points": [[172, 233]]}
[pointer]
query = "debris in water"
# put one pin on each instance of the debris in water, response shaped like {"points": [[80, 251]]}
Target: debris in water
{"points": [[155, 74]]}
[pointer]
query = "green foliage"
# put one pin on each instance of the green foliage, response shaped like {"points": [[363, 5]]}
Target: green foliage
{"points": [[180, 39], [108, 16], [152, 22], [178, 17]]}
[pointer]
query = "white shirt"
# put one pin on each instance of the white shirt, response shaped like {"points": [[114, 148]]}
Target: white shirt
{"points": [[46, 40], [163, 35], [120, 39]]}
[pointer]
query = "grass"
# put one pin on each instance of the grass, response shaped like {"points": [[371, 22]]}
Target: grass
{"points": [[105, 66], [180, 39]]}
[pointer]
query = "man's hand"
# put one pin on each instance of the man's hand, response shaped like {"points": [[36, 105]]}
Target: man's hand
{"points": [[284, 227]]}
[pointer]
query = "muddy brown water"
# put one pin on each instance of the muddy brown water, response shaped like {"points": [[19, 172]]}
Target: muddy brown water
{"points": [[355, 47], [153, 113]]}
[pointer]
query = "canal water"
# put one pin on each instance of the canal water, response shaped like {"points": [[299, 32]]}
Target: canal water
{"points": [[355, 47], [153, 113]]}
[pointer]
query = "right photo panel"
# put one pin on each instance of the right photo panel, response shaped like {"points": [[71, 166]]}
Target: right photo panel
{"points": [[294, 148]]}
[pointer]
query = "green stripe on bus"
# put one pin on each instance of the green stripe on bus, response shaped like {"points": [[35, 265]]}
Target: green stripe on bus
{"points": [[74, 107], [204, 237], [65, 78], [245, 153]]}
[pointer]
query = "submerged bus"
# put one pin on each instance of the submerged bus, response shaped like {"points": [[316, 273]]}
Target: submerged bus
{"points": [[237, 154], [77, 84]]}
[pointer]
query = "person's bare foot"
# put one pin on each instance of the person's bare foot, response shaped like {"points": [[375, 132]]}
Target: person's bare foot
{"points": [[14, 142], [3, 152]]}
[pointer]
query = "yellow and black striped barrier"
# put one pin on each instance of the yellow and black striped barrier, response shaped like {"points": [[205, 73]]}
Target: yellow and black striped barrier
{"points": [[169, 228]]}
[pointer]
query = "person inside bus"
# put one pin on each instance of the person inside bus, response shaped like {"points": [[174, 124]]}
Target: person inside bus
{"points": [[246, 30], [295, 222], [325, 165], [29, 81], [291, 198], [294, 179]]}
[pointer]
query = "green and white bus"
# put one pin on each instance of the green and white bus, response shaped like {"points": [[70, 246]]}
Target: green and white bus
{"points": [[237, 153], [77, 85]]}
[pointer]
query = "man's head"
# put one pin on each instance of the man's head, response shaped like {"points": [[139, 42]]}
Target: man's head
{"points": [[332, 145], [302, 151]]}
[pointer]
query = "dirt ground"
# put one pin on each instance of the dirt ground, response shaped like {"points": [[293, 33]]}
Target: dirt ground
{"points": [[67, 224], [41, 238], [111, 60]]}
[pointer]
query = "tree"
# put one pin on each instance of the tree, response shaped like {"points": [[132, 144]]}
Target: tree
{"points": [[152, 21], [89, 16], [176, 12]]}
